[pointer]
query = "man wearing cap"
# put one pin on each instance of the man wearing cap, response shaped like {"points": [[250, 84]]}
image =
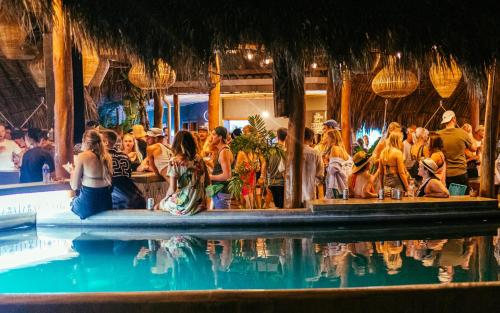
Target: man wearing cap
{"points": [[158, 154], [327, 126], [455, 141], [202, 135]]}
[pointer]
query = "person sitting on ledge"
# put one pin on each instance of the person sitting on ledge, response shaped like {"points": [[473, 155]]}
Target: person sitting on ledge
{"points": [[125, 194], [188, 177], [158, 155], [361, 182], [91, 175], [431, 185]]}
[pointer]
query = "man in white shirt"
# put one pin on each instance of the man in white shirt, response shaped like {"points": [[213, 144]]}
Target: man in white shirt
{"points": [[9, 154], [313, 169]]}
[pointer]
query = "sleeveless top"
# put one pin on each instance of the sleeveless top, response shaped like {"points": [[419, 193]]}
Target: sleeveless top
{"points": [[163, 160], [421, 190], [217, 170]]}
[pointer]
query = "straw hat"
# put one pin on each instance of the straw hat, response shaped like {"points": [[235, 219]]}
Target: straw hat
{"points": [[138, 131], [360, 159]]}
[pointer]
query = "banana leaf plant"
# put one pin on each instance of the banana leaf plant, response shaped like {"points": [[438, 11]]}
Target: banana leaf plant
{"points": [[261, 142]]}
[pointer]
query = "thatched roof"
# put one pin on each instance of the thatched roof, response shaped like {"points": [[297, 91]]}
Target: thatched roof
{"points": [[186, 33]]}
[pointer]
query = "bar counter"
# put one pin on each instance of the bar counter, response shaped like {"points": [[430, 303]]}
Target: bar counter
{"points": [[151, 185]]}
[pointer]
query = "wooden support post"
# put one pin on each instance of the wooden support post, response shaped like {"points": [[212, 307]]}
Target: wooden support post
{"points": [[169, 121], [289, 95], [345, 110], [63, 90], [158, 109], [474, 110], [214, 93], [49, 78], [490, 133], [78, 95], [331, 96], [177, 113]]}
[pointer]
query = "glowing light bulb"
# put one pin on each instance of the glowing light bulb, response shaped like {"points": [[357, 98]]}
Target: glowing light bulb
{"points": [[249, 56], [265, 114], [267, 61], [314, 65], [398, 55]]}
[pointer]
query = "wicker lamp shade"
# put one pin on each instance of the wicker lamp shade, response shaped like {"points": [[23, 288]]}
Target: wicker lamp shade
{"points": [[12, 38], [393, 82], [444, 77], [163, 78], [90, 63], [37, 70]]}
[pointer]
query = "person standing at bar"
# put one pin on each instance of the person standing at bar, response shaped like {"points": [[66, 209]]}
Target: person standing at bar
{"points": [[407, 144], [158, 155], [276, 169], [455, 141], [313, 171], [392, 170], [35, 158], [222, 169], [125, 194], [140, 135], [9, 155], [202, 136]]}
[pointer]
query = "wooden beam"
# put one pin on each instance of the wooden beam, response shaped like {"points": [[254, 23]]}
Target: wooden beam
{"points": [[214, 93], [78, 95], [474, 109], [158, 109], [63, 89], [49, 78], [345, 110], [490, 133], [177, 113], [169, 121]]}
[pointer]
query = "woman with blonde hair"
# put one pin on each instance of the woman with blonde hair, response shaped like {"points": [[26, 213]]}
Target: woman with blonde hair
{"points": [[339, 165], [91, 175], [394, 127], [391, 165], [131, 149]]}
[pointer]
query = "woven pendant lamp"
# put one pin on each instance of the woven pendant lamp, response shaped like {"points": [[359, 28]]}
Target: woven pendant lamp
{"points": [[163, 78], [445, 77], [12, 38], [37, 70], [393, 82], [90, 62]]}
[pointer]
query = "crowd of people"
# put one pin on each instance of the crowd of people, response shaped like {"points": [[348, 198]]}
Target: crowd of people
{"points": [[416, 161]]}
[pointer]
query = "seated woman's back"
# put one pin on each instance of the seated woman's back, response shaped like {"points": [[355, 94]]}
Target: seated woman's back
{"points": [[93, 171]]}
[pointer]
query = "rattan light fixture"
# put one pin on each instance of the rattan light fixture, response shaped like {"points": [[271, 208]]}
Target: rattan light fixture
{"points": [[37, 70], [90, 62], [12, 38], [445, 77], [163, 77], [394, 82]]}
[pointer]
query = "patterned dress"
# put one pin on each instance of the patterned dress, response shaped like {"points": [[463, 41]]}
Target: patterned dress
{"points": [[189, 198]]}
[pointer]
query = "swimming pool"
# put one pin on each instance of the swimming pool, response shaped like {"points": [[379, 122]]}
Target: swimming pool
{"points": [[80, 261]]}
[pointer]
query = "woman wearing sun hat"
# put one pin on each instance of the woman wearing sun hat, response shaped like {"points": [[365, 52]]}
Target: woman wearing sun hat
{"points": [[431, 185], [361, 182]]}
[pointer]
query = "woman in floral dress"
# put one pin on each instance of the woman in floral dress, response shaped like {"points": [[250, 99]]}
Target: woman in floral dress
{"points": [[188, 177]]}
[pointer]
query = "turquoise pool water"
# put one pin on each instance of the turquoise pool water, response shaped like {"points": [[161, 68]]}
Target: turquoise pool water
{"points": [[71, 261]]}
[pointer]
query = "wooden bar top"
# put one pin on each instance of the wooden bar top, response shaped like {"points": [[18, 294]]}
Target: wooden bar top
{"points": [[146, 177], [453, 202]]}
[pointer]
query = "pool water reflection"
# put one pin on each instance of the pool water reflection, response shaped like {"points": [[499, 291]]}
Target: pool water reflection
{"points": [[182, 262]]}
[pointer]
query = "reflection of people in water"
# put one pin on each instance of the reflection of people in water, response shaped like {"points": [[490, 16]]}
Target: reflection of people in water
{"points": [[391, 252]]}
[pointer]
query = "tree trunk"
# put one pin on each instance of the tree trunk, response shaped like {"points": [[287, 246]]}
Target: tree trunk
{"points": [[169, 121], [330, 96], [177, 113], [474, 110], [63, 90], [345, 118], [214, 94], [290, 95], [78, 95], [490, 133], [158, 109]]}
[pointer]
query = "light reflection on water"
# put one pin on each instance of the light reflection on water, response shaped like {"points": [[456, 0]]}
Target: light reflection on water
{"points": [[182, 262]]}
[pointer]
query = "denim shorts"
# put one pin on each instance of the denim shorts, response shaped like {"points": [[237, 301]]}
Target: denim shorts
{"points": [[221, 201]]}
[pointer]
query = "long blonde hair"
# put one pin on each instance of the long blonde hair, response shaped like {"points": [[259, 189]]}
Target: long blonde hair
{"points": [[336, 138], [395, 141], [92, 141], [140, 157]]}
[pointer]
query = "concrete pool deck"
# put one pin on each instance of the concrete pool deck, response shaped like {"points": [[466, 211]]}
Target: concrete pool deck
{"points": [[317, 213]]}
